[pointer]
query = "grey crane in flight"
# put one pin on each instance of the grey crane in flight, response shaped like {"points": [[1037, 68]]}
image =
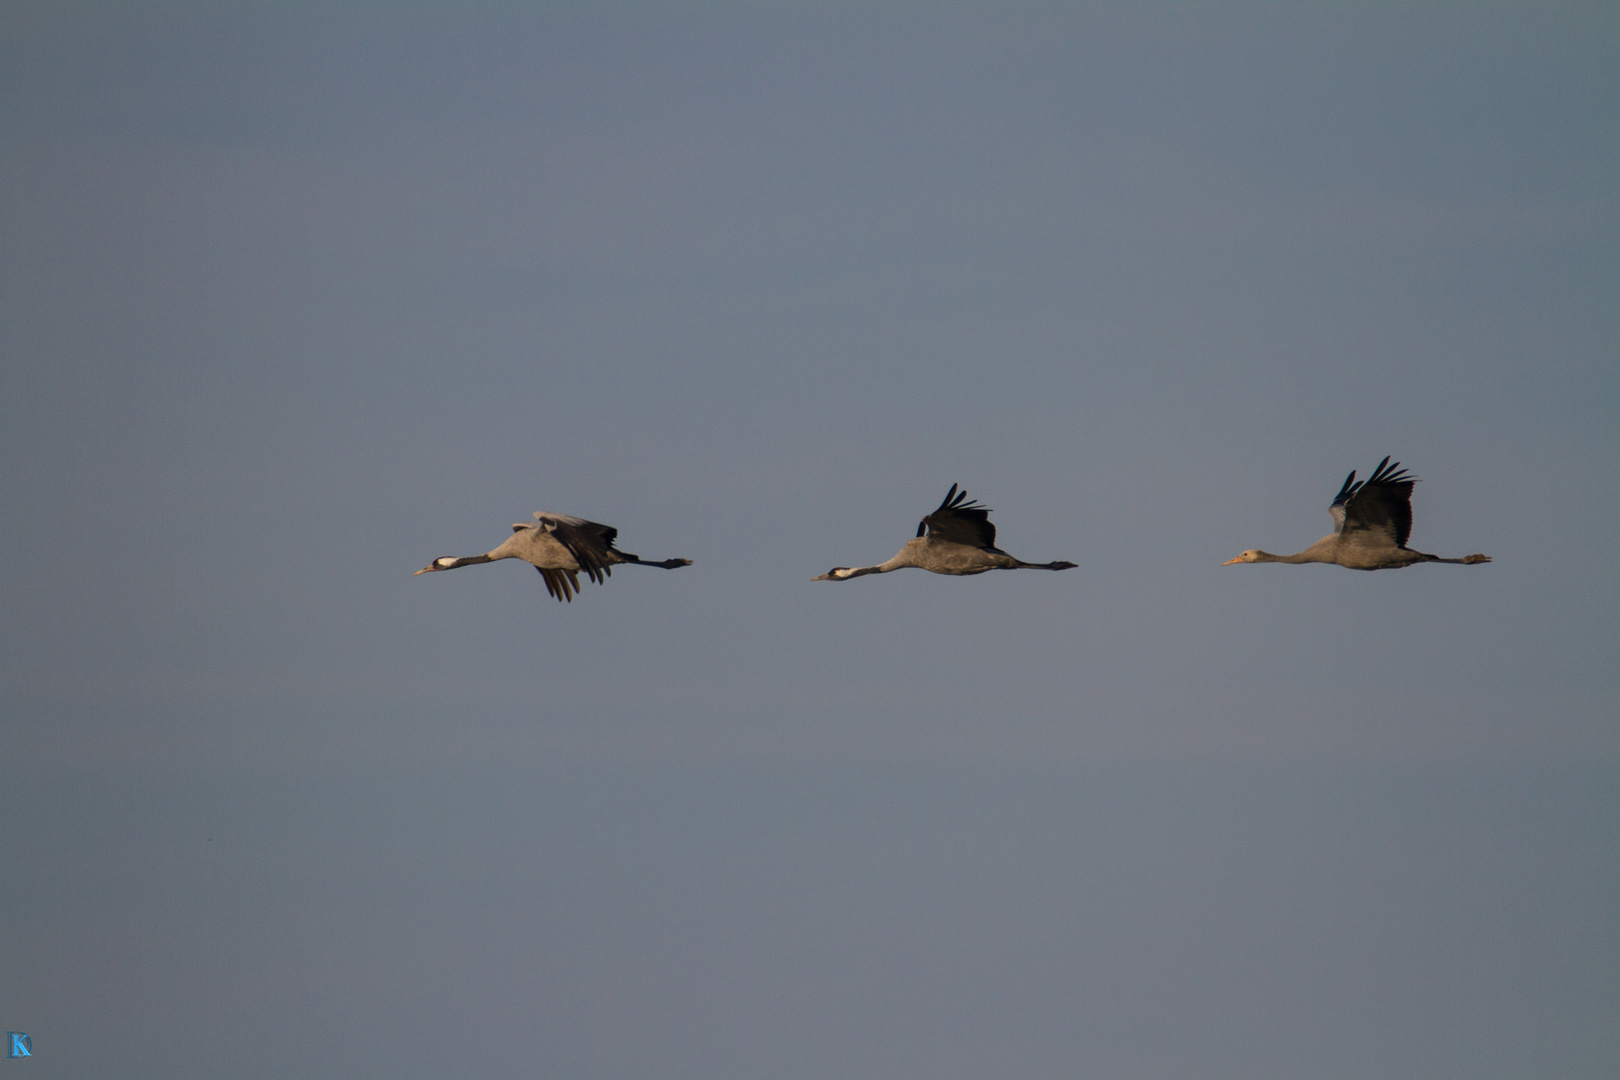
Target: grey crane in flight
{"points": [[1371, 522], [561, 548], [955, 539]]}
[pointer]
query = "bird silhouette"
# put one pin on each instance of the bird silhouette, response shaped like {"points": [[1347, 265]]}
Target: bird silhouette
{"points": [[955, 539], [1371, 522], [561, 548]]}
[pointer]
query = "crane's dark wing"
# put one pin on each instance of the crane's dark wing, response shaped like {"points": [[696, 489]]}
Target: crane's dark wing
{"points": [[1379, 508], [587, 541], [1336, 511], [560, 583], [960, 522]]}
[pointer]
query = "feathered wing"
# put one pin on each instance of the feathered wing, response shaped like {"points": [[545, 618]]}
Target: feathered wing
{"points": [[560, 583], [587, 541], [1378, 510], [1336, 511], [961, 522]]}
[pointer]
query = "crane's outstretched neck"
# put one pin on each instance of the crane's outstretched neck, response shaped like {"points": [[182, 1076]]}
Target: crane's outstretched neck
{"points": [[1309, 555], [450, 562], [905, 558], [844, 573]]}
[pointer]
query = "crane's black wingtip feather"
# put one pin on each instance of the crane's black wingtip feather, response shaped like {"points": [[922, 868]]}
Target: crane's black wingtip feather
{"points": [[1347, 489], [959, 500], [1391, 473]]}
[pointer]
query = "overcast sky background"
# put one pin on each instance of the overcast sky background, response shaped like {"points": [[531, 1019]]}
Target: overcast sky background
{"points": [[297, 298]]}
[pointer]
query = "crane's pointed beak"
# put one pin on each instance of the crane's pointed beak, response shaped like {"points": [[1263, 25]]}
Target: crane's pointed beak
{"points": [[1229, 562]]}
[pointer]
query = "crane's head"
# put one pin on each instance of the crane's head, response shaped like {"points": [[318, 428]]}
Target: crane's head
{"points": [[443, 562], [1248, 556], [837, 573]]}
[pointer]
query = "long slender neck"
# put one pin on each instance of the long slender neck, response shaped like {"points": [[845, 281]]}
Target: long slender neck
{"points": [[1310, 554], [1324, 550], [469, 560], [903, 559], [862, 571]]}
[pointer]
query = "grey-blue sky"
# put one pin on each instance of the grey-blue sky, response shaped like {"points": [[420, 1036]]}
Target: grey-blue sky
{"points": [[297, 299]]}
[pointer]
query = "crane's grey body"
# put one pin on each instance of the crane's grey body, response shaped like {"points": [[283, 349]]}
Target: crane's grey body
{"points": [[561, 547], [956, 539], [1372, 521]]}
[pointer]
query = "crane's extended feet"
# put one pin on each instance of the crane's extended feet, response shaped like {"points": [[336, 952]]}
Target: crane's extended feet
{"points": [[1470, 560]]}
